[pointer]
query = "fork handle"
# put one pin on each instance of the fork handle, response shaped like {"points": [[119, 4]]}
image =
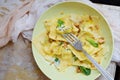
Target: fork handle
{"points": [[106, 74]]}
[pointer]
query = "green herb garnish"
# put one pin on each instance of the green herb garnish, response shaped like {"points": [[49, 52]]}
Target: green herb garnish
{"points": [[84, 70], [92, 42], [61, 43], [74, 57], [56, 59], [60, 23]]}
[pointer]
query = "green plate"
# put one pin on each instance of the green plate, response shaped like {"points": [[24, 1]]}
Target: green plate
{"points": [[68, 8]]}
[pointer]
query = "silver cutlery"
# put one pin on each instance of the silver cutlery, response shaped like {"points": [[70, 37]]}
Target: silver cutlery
{"points": [[75, 42]]}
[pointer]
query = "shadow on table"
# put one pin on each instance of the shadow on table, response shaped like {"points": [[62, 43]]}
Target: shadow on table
{"points": [[110, 2], [117, 75]]}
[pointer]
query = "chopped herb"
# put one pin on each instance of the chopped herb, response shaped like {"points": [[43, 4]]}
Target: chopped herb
{"points": [[56, 59], [61, 43], [60, 22], [74, 57], [68, 49], [86, 71], [92, 42]]}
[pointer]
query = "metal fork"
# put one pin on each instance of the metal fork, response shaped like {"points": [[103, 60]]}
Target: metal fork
{"points": [[75, 42]]}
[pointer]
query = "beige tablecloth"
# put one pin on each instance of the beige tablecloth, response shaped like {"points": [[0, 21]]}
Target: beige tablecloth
{"points": [[18, 18]]}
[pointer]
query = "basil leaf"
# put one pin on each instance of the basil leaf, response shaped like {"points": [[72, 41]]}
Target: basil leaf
{"points": [[86, 71], [60, 22], [92, 42]]}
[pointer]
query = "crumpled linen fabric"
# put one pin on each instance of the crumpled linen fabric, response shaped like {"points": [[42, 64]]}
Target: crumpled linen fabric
{"points": [[9, 19]]}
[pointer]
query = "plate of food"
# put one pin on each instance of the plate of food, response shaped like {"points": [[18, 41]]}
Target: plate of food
{"points": [[56, 58]]}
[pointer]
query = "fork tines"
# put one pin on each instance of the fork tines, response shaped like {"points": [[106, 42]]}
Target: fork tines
{"points": [[70, 38]]}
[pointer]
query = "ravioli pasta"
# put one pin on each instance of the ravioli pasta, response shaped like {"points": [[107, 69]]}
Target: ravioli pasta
{"points": [[56, 50]]}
